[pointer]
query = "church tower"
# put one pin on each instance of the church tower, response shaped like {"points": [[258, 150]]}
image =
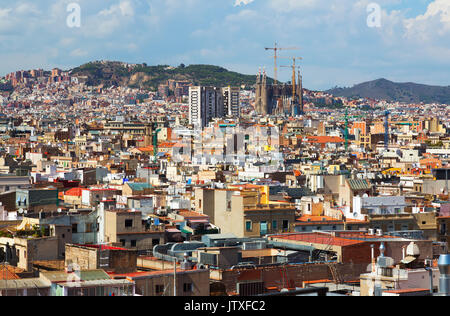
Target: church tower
{"points": [[300, 94]]}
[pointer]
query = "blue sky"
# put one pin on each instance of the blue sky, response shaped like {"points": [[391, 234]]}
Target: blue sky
{"points": [[338, 47]]}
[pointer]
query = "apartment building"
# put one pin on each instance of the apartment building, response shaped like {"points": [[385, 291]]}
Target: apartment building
{"points": [[205, 103], [231, 101], [126, 228], [244, 213]]}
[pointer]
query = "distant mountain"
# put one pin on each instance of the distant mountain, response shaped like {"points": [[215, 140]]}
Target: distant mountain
{"points": [[141, 75], [383, 89]]}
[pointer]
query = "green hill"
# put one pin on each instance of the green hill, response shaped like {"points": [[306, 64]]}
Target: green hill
{"points": [[141, 75], [383, 89]]}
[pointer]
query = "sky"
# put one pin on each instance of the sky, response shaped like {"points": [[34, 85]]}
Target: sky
{"points": [[338, 44]]}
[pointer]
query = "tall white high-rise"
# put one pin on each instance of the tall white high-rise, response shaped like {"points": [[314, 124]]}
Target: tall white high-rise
{"points": [[232, 101], [205, 103]]}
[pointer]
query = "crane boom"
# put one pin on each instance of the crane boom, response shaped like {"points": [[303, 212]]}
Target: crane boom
{"points": [[275, 57], [294, 68]]}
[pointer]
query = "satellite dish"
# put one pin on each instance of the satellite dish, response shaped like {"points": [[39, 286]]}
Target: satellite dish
{"points": [[59, 210], [21, 211]]}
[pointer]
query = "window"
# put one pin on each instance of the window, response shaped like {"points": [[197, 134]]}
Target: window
{"points": [[133, 243], [285, 224], [88, 227], [155, 242], [187, 287], [200, 204], [274, 225], [75, 228], [128, 223], [159, 289], [263, 227], [122, 241], [248, 226]]}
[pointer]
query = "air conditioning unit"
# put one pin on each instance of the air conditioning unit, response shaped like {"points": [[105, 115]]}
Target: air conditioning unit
{"points": [[371, 231], [379, 232]]}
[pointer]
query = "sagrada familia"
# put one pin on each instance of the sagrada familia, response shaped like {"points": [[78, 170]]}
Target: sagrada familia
{"points": [[278, 99]]}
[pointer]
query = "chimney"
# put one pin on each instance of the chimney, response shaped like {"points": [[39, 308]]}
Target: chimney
{"points": [[444, 279], [373, 257], [186, 264]]}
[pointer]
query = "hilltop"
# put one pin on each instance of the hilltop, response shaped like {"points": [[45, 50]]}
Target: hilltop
{"points": [[142, 75], [383, 89]]}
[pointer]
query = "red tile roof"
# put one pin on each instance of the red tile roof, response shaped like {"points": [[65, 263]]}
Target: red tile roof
{"points": [[407, 291], [318, 238], [104, 247], [191, 214], [305, 220], [325, 139], [314, 218], [74, 192], [140, 274], [9, 273]]}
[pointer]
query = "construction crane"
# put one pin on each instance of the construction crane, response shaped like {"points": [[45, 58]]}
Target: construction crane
{"points": [[386, 129], [294, 68], [346, 126], [295, 93], [275, 57], [155, 141]]}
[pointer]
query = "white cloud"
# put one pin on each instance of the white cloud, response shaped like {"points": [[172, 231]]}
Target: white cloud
{"points": [[434, 22], [239, 3], [332, 34]]}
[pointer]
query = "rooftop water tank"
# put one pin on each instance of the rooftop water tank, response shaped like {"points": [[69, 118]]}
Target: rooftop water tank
{"points": [[412, 250]]}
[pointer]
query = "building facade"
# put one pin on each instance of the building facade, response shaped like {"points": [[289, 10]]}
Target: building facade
{"points": [[231, 101], [205, 103]]}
